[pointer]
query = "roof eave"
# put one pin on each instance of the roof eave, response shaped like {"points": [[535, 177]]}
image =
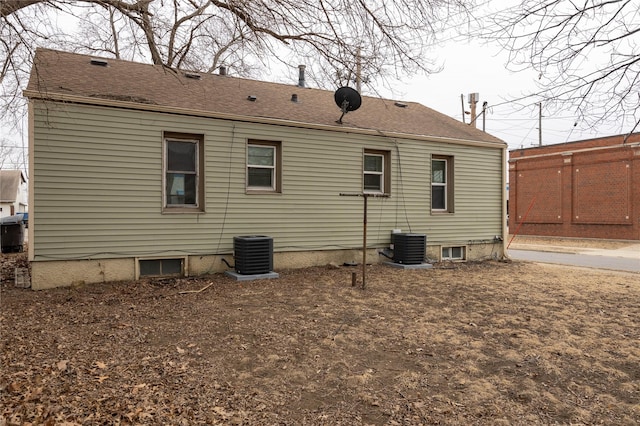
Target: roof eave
{"points": [[60, 97]]}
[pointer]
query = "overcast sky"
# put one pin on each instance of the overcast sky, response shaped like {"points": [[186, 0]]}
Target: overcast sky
{"points": [[474, 68]]}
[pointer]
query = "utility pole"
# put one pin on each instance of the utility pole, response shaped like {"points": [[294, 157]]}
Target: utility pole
{"points": [[462, 103], [540, 124], [358, 71], [473, 100]]}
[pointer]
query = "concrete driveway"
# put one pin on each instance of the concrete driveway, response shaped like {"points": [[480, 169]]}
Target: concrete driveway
{"points": [[621, 259]]}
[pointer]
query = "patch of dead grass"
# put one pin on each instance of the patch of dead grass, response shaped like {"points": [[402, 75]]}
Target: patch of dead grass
{"points": [[489, 343]]}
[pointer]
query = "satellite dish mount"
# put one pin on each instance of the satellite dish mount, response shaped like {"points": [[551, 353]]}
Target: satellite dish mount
{"points": [[347, 99]]}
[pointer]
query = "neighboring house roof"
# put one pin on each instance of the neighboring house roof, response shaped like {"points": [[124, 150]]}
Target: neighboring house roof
{"points": [[72, 77], [10, 181]]}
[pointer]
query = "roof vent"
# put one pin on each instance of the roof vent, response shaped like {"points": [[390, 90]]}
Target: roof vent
{"points": [[301, 81], [252, 98], [294, 98], [99, 62], [401, 105], [192, 75], [223, 70]]}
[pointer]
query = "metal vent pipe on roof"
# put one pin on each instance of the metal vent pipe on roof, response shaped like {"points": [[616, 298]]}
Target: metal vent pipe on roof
{"points": [[301, 82], [223, 70], [294, 97]]}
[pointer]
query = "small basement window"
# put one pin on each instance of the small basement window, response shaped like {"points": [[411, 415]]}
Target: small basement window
{"points": [[161, 267], [453, 253]]}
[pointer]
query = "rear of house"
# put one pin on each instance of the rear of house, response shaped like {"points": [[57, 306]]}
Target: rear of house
{"points": [[585, 189], [137, 169]]}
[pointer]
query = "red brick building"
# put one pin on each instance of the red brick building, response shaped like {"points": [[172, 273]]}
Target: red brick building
{"points": [[587, 189]]}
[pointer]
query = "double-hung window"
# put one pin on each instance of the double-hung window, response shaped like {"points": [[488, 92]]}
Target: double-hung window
{"points": [[183, 180], [442, 184], [263, 166], [376, 176]]}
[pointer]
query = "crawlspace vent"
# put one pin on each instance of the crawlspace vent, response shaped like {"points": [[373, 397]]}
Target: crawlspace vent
{"points": [[409, 249], [253, 254]]}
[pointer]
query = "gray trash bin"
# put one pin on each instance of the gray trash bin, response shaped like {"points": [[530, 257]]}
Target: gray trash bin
{"points": [[12, 234]]}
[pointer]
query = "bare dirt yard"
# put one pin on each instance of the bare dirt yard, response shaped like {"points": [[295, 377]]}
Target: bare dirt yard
{"points": [[461, 344]]}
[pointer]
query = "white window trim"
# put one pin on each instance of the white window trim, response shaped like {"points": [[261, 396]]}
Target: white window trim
{"points": [[166, 170], [463, 251], [184, 259], [274, 174], [368, 172], [445, 185]]}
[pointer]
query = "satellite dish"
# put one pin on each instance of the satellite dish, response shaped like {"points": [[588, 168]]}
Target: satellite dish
{"points": [[347, 99]]}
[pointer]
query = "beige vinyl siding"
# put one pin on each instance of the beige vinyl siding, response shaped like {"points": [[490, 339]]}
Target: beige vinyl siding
{"points": [[98, 187], [478, 198]]}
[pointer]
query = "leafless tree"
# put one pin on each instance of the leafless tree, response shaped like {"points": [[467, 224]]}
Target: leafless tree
{"points": [[12, 156], [333, 37], [586, 54]]}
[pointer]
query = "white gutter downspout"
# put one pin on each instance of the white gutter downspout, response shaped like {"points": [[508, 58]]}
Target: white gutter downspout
{"points": [[505, 197]]}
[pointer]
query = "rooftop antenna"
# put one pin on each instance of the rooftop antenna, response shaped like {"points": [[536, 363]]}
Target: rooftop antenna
{"points": [[347, 99]]}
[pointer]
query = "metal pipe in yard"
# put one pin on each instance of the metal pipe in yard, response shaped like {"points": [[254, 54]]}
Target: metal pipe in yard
{"points": [[364, 244], [364, 230]]}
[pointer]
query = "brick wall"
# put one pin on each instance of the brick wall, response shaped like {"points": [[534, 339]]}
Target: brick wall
{"points": [[587, 189]]}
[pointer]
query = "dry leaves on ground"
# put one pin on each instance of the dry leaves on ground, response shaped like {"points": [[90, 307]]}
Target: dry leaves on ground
{"points": [[487, 343]]}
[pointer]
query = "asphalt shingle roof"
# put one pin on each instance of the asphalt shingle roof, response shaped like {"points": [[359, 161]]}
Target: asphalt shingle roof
{"points": [[10, 181], [58, 74]]}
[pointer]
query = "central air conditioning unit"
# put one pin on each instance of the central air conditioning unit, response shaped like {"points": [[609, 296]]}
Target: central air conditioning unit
{"points": [[253, 254], [409, 249]]}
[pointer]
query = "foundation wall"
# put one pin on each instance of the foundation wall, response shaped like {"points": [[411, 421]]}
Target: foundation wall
{"points": [[65, 273]]}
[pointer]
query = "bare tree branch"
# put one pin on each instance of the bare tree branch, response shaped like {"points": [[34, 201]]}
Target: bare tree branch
{"points": [[393, 38], [8, 7], [587, 54]]}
